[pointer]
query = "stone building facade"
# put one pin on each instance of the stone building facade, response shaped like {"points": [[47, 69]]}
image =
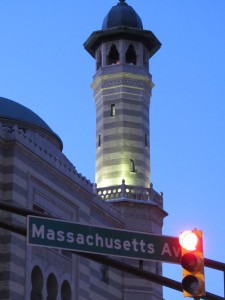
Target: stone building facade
{"points": [[36, 175]]}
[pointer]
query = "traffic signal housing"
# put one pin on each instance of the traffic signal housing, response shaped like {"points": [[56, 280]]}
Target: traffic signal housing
{"points": [[192, 262]]}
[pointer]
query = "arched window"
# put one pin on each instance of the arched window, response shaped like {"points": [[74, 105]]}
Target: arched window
{"points": [[99, 59], [113, 56], [132, 166], [131, 57], [37, 284], [66, 291], [146, 59], [52, 287]]}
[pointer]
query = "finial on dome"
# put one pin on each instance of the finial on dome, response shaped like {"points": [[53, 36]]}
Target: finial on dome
{"points": [[122, 1]]}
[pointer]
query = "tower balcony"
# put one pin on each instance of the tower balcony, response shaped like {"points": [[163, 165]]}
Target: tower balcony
{"points": [[131, 193]]}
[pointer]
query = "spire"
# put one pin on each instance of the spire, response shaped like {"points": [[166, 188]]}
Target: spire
{"points": [[122, 3]]}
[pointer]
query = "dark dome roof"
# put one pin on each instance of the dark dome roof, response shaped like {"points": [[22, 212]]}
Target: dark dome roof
{"points": [[13, 111], [122, 15]]}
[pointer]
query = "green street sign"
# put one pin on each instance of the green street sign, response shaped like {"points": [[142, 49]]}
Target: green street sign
{"points": [[100, 240]]}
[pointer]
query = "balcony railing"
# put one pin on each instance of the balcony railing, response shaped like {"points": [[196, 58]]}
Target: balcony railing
{"points": [[129, 192]]}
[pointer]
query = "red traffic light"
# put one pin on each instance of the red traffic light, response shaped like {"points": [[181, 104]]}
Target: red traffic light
{"points": [[188, 240], [192, 262]]}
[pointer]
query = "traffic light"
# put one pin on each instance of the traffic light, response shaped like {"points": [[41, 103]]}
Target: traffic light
{"points": [[192, 262]]}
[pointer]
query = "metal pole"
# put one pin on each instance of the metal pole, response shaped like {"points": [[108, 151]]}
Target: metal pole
{"points": [[224, 283], [117, 265], [109, 261]]}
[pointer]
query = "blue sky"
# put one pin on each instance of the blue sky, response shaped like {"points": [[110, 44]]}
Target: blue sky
{"points": [[45, 67]]}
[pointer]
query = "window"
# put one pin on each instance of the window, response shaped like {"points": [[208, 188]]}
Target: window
{"points": [[146, 140], [132, 166], [113, 110], [113, 57], [131, 56], [104, 273], [99, 59], [99, 140], [37, 284], [146, 59], [52, 287], [66, 291]]}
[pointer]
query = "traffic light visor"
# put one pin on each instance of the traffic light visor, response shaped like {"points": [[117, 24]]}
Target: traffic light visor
{"points": [[188, 240]]}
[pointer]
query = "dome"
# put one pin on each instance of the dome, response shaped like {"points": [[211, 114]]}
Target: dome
{"points": [[122, 15], [13, 111], [122, 22]]}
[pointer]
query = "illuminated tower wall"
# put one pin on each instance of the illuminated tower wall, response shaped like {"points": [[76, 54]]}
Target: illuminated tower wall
{"points": [[122, 88]]}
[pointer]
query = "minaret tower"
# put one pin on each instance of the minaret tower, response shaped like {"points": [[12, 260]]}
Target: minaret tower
{"points": [[122, 89]]}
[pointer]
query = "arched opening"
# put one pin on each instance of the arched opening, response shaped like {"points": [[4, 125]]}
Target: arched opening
{"points": [[37, 284], [99, 60], [66, 291], [146, 59], [131, 57], [132, 166], [52, 287], [113, 56]]}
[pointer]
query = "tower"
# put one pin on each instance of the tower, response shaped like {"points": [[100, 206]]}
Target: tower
{"points": [[122, 89]]}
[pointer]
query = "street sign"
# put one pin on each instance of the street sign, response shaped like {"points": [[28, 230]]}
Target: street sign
{"points": [[65, 235]]}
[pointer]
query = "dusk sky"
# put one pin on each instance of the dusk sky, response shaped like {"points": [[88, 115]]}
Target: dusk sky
{"points": [[44, 66]]}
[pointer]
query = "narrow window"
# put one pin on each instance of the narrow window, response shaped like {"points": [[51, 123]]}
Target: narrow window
{"points": [[113, 57], [104, 273], [99, 60], [146, 140], [146, 59], [113, 110], [131, 57], [99, 140], [132, 166]]}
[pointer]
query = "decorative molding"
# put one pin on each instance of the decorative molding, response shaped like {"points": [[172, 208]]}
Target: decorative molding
{"points": [[51, 258], [45, 150], [131, 79]]}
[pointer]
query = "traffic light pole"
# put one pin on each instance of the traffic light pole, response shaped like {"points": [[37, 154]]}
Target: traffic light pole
{"points": [[161, 280], [139, 272], [116, 264], [217, 266]]}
